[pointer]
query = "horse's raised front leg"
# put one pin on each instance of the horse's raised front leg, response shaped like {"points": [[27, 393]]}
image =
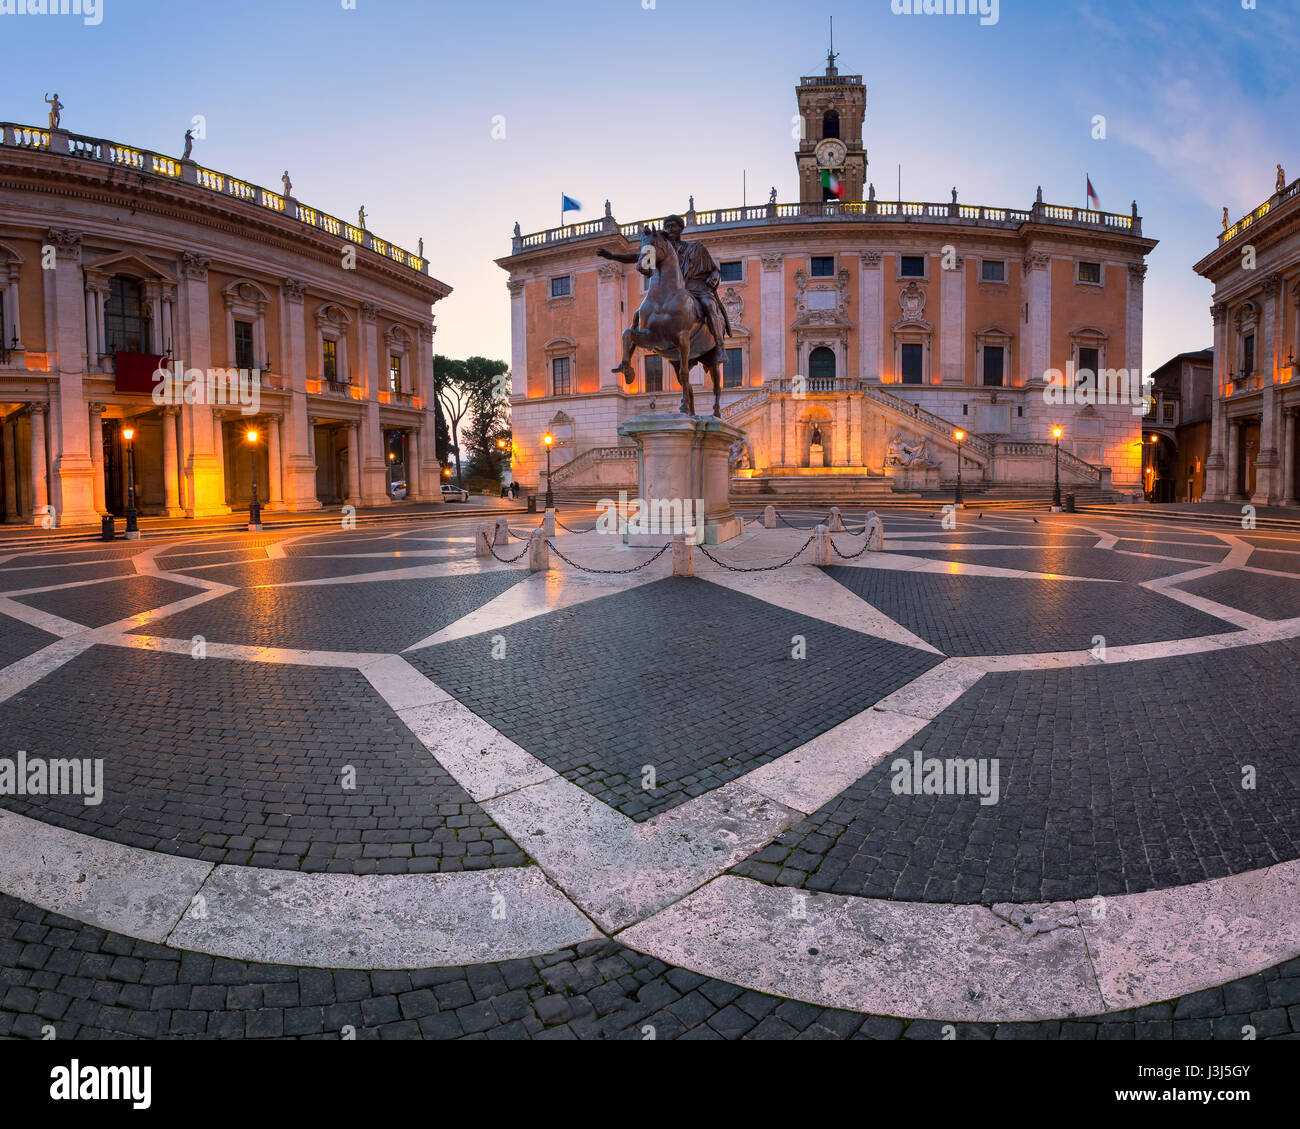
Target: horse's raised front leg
{"points": [[715, 371], [632, 337], [682, 366]]}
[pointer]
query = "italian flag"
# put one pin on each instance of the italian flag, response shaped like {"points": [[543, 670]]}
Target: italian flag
{"points": [[833, 182]]}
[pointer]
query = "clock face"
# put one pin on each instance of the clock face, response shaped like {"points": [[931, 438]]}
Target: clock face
{"points": [[831, 154]]}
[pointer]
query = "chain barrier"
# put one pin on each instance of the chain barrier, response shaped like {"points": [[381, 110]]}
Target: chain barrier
{"points": [[764, 568], [607, 571], [511, 533], [850, 556], [504, 560], [801, 528], [568, 530]]}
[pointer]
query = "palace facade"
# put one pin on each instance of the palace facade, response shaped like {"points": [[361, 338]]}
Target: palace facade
{"points": [[1256, 274], [118, 264], [876, 327]]}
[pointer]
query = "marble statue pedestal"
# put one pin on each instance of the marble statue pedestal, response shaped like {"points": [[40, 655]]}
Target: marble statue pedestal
{"points": [[683, 469], [817, 456], [914, 479]]}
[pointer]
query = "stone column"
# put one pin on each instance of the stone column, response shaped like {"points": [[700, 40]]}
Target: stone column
{"points": [[1216, 489], [374, 462], [97, 454], [275, 496], [354, 464], [1037, 359], [840, 440], [219, 452], [40, 465], [1268, 486], [1137, 273], [952, 329], [609, 289], [171, 465], [299, 435], [1288, 467], [203, 460], [772, 326], [870, 339], [413, 479], [10, 452], [1231, 489]]}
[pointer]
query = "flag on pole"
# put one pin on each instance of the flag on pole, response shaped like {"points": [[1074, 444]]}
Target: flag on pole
{"points": [[1093, 201], [833, 182], [568, 204]]}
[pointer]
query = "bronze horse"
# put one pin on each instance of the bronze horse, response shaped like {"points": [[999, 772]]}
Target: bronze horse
{"points": [[669, 322]]}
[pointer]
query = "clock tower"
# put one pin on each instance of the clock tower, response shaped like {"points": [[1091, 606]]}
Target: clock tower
{"points": [[833, 108]]}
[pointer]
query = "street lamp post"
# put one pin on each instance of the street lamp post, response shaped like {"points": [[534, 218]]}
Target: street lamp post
{"points": [[254, 507], [549, 440], [1056, 489], [960, 436], [132, 527]]}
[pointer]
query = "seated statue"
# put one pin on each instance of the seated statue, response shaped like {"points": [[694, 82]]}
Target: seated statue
{"points": [[741, 456], [903, 454]]}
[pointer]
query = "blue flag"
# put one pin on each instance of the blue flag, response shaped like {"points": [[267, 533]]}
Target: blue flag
{"points": [[569, 204]]}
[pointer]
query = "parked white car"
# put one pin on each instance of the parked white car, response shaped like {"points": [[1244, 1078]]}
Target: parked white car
{"points": [[452, 493], [398, 491]]}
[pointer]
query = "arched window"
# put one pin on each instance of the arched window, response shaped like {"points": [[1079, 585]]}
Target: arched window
{"points": [[821, 370], [126, 321], [830, 124]]}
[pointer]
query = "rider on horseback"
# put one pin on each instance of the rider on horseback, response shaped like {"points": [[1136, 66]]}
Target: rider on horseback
{"points": [[700, 275]]}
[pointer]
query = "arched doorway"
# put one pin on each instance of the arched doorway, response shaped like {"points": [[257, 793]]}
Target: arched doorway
{"points": [[821, 370]]}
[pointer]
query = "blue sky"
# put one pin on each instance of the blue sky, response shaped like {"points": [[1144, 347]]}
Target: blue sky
{"points": [[392, 104]]}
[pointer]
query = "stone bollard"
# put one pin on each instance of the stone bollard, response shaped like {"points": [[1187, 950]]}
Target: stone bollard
{"points": [[683, 556], [836, 524], [502, 535], [769, 517], [539, 557], [875, 533], [821, 546], [482, 541], [548, 523]]}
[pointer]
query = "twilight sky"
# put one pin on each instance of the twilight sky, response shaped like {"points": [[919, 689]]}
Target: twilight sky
{"points": [[393, 103]]}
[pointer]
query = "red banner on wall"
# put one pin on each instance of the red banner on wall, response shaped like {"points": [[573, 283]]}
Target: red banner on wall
{"points": [[137, 372]]}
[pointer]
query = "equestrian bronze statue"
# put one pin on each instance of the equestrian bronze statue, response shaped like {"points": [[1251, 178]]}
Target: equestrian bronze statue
{"points": [[680, 317]]}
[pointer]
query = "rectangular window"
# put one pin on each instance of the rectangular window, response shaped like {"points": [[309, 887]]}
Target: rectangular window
{"points": [[654, 373], [733, 372], [823, 266], [1089, 363], [1090, 272], [1169, 413], [732, 271], [913, 361], [560, 374], [244, 345], [126, 320], [994, 365], [994, 270], [1249, 366], [330, 361], [394, 373], [561, 287], [912, 266]]}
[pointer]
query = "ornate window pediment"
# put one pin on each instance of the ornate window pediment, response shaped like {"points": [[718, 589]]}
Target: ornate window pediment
{"points": [[821, 303], [245, 295], [331, 316], [734, 303], [911, 300], [128, 264]]}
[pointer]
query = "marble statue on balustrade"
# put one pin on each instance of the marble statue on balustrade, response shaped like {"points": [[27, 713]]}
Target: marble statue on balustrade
{"points": [[361, 217], [56, 110], [1281, 179], [288, 184], [189, 145], [742, 458], [518, 233], [904, 454], [422, 246], [772, 199], [1226, 222]]}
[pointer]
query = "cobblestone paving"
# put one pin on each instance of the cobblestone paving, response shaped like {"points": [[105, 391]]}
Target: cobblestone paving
{"points": [[98, 604], [976, 615], [187, 774], [1210, 553], [88, 552], [1269, 597], [179, 562], [382, 616], [1277, 562], [1113, 780], [696, 681], [1099, 564], [19, 579], [89, 984], [346, 546], [18, 640], [286, 571]]}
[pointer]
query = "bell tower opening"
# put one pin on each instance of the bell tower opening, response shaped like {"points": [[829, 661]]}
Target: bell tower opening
{"points": [[831, 157]]}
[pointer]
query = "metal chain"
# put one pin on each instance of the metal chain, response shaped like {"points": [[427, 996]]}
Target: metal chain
{"points": [[608, 571], [816, 522], [504, 560], [764, 568], [568, 530], [510, 532], [849, 556]]}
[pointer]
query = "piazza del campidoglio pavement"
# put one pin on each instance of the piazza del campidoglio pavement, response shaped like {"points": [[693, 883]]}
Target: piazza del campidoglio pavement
{"points": [[365, 780]]}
